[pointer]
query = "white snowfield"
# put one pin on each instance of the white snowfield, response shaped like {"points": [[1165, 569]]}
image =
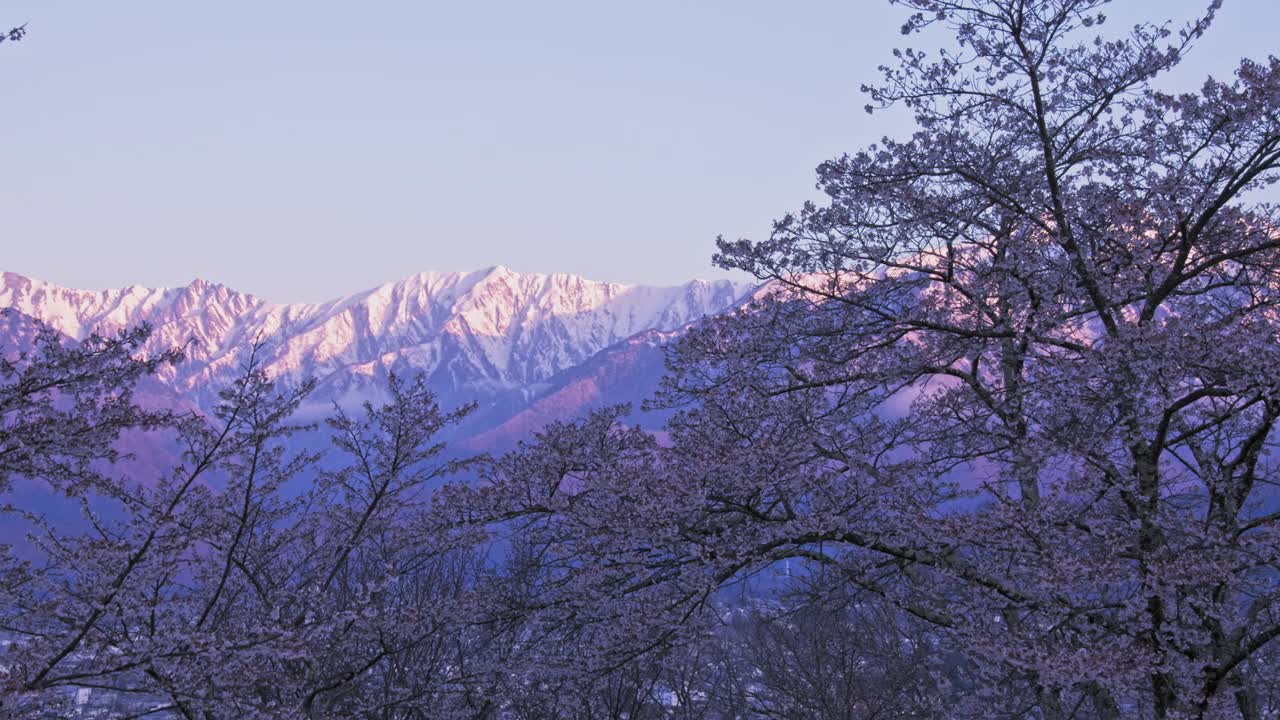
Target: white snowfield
{"points": [[473, 333]]}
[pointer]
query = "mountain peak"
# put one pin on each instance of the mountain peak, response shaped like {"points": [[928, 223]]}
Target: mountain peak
{"points": [[473, 333], [198, 285], [492, 335]]}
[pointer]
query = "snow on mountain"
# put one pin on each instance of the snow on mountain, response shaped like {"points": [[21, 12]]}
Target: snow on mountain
{"points": [[627, 372], [492, 335]]}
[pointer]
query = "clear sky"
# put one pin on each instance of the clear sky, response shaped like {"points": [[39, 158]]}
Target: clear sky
{"points": [[306, 149]]}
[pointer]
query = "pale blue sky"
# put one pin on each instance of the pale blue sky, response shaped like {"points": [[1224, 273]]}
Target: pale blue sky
{"points": [[302, 150]]}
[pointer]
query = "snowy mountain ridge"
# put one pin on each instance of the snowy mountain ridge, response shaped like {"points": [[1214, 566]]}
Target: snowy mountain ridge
{"points": [[486, 335]]}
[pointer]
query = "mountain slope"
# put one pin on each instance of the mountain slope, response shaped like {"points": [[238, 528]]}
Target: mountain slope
{"points": [[495, 336], [627, 372]]}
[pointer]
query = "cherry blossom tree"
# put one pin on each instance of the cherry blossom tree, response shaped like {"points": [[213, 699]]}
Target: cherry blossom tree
{"points": [[1017, 378], [1054, 304], [251, 580], [63, 406], [993, 440]]}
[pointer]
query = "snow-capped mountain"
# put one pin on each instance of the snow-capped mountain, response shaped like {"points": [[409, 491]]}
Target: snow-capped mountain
{"points": [[496, 336]]}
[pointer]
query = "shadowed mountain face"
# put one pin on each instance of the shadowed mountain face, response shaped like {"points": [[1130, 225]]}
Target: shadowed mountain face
{"points": [[529, 348], [627, 372]]}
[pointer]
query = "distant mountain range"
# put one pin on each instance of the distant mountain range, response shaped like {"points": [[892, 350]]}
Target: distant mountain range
{"points": [[529, 348]]}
